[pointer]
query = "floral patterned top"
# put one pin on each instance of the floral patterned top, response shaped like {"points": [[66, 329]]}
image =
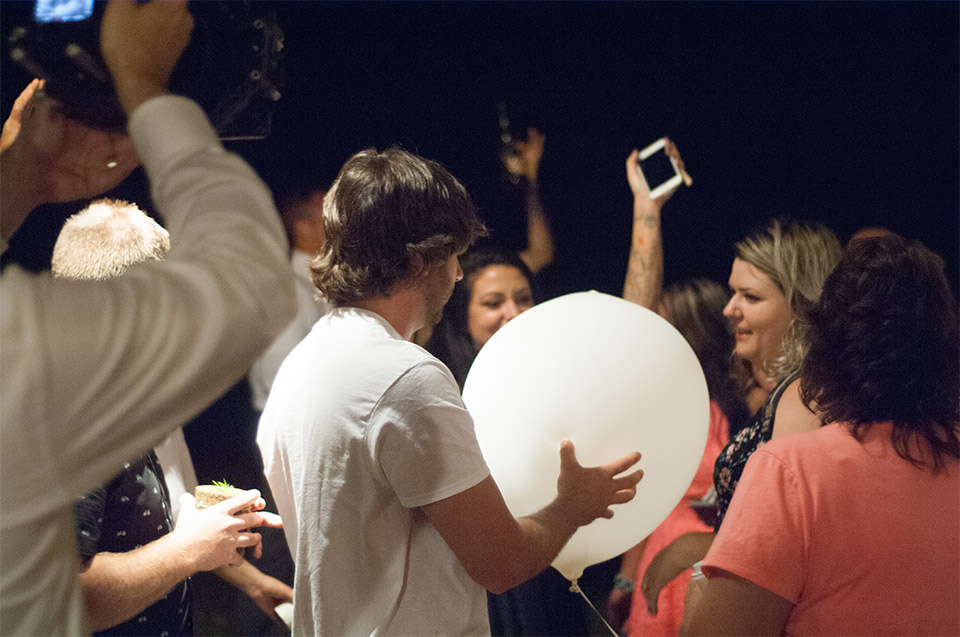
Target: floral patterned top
{"points": [[758, 431]]}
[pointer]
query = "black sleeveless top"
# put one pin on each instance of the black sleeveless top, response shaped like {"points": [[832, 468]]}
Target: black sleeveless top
{"points": [[758, 430]]}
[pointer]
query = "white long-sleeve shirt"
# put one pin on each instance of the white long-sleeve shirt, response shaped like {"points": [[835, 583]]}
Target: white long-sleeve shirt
{"points": [[93, 373], [309, 310]]}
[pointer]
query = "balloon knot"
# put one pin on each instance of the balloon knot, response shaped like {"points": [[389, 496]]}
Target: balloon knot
{"points": [[574, 587]]}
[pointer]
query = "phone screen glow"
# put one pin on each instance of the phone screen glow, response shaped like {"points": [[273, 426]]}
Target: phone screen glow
{"points": [[62, 10]]}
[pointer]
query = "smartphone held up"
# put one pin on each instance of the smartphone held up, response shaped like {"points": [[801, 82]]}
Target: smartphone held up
{"points": [[660, 170]]}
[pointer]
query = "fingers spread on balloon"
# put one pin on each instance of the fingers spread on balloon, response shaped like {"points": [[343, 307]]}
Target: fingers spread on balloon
{"points": [[624, 495], [622, 464], [629, 480], [568, 455]]}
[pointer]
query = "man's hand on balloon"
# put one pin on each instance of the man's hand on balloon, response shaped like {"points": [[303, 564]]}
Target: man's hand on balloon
{"points": [[587, 493]]}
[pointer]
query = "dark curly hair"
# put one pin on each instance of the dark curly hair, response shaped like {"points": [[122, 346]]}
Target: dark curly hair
{"points": [[386, 215], [884, 345], [451, 341]]}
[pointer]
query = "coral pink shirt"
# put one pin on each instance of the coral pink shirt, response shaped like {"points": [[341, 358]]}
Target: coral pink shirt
{"points": [[859, 539], [681, 520]]}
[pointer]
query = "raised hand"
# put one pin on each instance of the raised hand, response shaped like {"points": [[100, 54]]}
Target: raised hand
{"points": [[638, 185], [671, 149], [11, 127], [525, 160], [141, 44]]}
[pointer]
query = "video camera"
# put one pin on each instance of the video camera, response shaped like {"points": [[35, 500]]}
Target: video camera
{"points": [[231, 66]]}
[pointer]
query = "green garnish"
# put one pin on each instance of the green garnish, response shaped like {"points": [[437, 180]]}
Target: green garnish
{"points": [[223, 485]]}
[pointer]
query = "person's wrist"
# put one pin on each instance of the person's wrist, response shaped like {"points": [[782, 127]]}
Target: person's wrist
{"points": [[134, 92], [644, 206], [622, 583], [560, 515], [184, 556]]}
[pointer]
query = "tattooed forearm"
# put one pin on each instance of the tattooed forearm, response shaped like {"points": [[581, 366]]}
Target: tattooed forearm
{"points": [[649, 221], [644, 279]]}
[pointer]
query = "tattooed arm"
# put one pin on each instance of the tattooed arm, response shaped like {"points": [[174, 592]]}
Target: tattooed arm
{"points": [[644, 280]]}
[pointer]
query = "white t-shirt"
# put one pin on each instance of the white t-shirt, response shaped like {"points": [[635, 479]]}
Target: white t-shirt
{"points": [[361, 428], [178, 471], [94, 373]]}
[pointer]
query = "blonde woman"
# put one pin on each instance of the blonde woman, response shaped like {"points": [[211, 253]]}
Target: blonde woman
{"points": [[777, 274], [854, 529]]}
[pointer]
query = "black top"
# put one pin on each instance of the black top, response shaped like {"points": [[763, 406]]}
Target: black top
{"points": [[758, 430], [128, 512]]}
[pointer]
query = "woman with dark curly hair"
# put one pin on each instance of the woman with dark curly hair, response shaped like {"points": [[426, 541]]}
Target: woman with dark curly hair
{"points": [[855, 528]]}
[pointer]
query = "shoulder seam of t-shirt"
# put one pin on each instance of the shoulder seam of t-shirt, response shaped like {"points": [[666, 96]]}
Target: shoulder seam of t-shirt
{"points": [[370, 417], [373, 410]]}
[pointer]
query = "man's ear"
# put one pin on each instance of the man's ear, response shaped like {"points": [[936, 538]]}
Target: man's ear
{"points": [[418, 266]]}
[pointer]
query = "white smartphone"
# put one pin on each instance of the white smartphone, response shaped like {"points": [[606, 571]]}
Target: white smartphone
{"points": [[659, 170]]}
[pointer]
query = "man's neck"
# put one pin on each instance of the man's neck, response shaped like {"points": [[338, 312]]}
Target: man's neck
{"points": [[404, 308]]}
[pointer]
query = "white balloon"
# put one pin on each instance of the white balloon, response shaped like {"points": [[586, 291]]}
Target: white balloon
{"points": [[611, 376]]}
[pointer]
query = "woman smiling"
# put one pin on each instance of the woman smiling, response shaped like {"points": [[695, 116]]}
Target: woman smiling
{"points": [[777, 275]]}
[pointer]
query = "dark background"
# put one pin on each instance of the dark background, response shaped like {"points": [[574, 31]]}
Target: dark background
{"points": [[842, 112], [846, 113]]}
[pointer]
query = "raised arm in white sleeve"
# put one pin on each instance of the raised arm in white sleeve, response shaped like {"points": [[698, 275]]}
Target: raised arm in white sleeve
{"points": [[94, 373]]}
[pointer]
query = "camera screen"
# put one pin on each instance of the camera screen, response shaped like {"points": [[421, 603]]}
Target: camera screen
{"points": [[657, 169], [62, 10]]}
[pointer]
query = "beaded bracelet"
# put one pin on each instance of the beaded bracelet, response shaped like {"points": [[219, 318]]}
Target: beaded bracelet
{"points": [[622, 583]]}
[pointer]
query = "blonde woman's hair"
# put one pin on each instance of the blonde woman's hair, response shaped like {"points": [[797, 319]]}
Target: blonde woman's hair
{"points": [[797, 257], [104, 239]]}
